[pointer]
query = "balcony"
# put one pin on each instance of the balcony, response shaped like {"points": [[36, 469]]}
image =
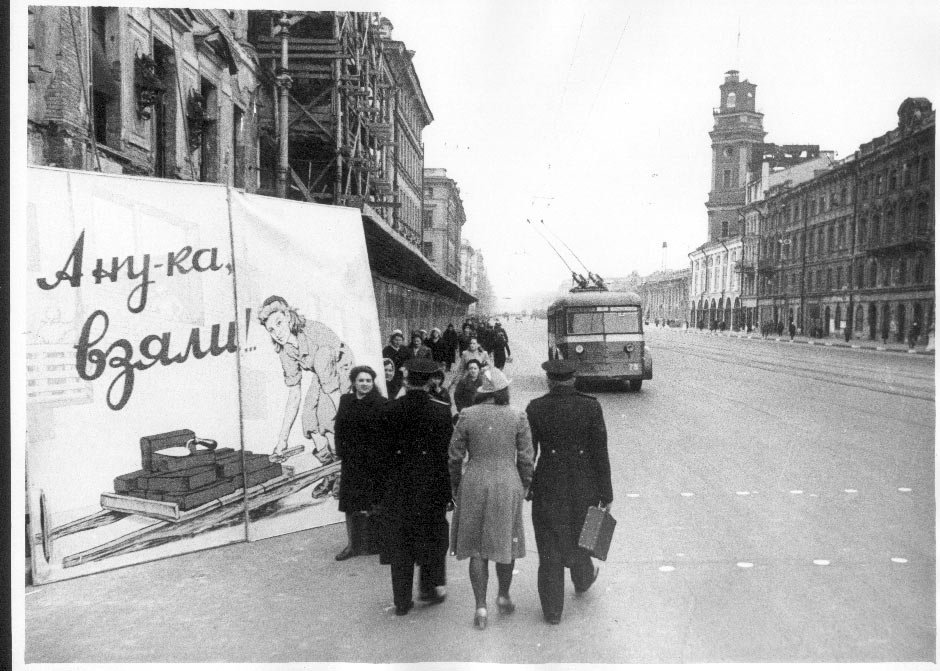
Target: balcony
{"points": [[906, 241]]}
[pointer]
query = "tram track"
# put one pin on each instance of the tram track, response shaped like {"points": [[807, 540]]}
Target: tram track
{"points": [[844, 373]]}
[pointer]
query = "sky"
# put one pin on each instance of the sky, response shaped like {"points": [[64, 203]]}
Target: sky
{"points": [[594, 116]]}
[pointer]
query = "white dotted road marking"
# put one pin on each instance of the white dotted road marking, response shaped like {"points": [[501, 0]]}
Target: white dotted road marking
{"points": [[744, 564], [821, 562], [814, 494], [687, 494], [904, 489], [680, 554], [899, 560], [667, 569], [851, 491], [796, 491], [743, 493], [632, 495], [515, 571]]}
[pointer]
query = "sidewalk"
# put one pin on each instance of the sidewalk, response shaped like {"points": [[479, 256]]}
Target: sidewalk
{"points": [[831, 341]]}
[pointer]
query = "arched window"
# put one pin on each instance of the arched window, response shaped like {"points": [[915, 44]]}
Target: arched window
{"points": [[839, 278], [906, 174], [905, 221], [893, 180], [829, 278], [873, 273], [820, 247], [862, 225], [732, 100], [875, 227], [860, 276], [902, 271]]}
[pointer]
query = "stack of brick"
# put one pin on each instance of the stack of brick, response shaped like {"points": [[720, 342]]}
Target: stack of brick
{"points": [[193, 477]]}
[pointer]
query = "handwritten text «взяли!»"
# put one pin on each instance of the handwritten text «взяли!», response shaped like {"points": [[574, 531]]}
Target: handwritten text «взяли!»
{"points": [[90, 361]]}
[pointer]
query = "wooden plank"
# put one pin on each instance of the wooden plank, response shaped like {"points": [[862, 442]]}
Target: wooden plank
{"points": [[202, 519]]}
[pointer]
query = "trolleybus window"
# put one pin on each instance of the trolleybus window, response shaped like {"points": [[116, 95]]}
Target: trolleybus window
{"points": [[618, 320]]}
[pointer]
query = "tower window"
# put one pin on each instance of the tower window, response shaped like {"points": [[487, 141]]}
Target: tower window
{"points": [[724, 229], [732, 100], [727, 179]]}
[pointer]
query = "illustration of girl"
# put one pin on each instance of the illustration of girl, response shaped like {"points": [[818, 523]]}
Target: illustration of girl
{"points": [[307, 345]]}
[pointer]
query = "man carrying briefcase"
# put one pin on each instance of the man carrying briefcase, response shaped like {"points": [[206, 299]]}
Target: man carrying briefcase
{"points": [[572, 474]]}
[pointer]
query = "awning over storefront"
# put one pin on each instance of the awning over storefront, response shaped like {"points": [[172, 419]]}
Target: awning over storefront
{"points": [[396, 259]]}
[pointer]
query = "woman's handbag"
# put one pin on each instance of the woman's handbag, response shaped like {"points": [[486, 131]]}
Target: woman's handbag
{"points": [[597, 532]]}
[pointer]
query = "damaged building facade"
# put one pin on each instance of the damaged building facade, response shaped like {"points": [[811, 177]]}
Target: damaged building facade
{"points": [[323, 107]]}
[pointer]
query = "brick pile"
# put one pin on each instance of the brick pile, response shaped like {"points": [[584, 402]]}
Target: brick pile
{"points": [[194, 478]]}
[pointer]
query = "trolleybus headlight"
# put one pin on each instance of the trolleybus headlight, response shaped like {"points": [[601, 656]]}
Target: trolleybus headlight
{"points": [[628, 348], [579, 349]]}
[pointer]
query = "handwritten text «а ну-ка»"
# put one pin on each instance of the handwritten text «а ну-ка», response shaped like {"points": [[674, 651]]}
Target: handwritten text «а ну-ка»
{"points": [[90, 362]]}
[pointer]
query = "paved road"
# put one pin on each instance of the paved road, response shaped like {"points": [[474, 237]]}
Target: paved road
{"points": [[775, 504]]}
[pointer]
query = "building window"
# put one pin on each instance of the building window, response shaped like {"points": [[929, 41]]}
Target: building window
{"points": [[923, 218], [105, 88], [238, 149], [732, 100], [860, 276], [830, 239], [864, 188], [727, 179], [841, 236], [879, 184], [919, 270], [208, 136], [724, 229], [875, 227], [893, 180], [164, 112], [862, 223], [906, 174], [812, 207], [889, 224], [428, 250], [839, 278], [829, 279], [902, 272]]}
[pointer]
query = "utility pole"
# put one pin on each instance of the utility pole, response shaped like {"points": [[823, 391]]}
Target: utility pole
{"points": [[283, 84]]}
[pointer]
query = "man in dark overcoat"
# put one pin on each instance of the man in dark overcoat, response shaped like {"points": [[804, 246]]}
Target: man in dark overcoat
{"points": [[417, 490], [572, 473]]}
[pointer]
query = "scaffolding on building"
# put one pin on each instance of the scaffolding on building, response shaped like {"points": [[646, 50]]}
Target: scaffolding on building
{"points": [[341, 103]]}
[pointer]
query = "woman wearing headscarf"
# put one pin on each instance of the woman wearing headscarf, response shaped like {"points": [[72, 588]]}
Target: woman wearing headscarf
{"points": [[360, 445], [398, 353], [438, 347], [393, 383], [496, 442], [473, 351]]}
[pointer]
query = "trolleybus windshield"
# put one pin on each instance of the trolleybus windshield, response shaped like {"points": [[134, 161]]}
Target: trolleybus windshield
{"points": [[592, 322]]}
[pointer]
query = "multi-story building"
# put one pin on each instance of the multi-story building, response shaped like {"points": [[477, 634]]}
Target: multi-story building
{"points": [[851, 250], [737, 133], [468, 268], [144, 91], [755, 270], [204, 95], [444, 218], [665, 296]]}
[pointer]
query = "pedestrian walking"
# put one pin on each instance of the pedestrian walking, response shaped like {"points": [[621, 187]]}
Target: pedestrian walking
{"points": [[463, 340], [393, 384], [501, 349], [885, 329], [359, 445], [913, 334], [437, 390], [438, 347], [416, 348], [495, 439], [473, 351], [572, 473], [467, 386], [396, 351], [792, 329], [451, 338], [414, 525]]}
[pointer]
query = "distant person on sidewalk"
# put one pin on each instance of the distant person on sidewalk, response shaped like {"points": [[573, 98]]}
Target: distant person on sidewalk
{"points": [[451, 339], [792, 329], [572, 473], [395, 351], [393, 384], [913, 335], [501, 349], [417, 349]]}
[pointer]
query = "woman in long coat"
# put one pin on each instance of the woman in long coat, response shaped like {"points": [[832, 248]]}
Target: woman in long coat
{"points": [[487, 523], [359, 444]]}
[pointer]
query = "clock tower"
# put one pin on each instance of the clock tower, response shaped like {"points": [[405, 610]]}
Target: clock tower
{"points": [[738, 128]]}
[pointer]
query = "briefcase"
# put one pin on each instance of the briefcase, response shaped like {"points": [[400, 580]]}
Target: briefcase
{"points": [[597, 532]]}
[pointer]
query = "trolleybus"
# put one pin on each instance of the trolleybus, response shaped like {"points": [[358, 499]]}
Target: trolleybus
{"points": [[601, 333]]}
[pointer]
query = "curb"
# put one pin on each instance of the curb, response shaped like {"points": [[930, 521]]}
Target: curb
{"points": [[826, 343]]}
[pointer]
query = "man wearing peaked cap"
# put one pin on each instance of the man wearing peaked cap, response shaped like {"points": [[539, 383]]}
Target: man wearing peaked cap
{"points": [[572, 473], [417, 491]]}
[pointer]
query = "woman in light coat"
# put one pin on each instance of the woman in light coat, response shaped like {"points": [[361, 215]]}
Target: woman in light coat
{"points": [[487, 525]]}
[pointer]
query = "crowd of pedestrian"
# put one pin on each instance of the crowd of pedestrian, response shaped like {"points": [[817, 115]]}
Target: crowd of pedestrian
{"points": [[409, 458]]}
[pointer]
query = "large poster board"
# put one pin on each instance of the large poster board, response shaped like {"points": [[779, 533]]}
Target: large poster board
{"points": [[155, 396]]}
